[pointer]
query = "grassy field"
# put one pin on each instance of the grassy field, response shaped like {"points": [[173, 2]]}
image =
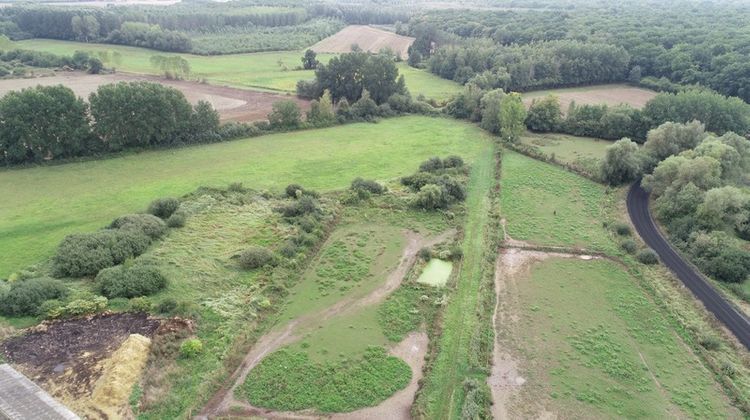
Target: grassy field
{"points": [[266, 71], [43, 204], [546, 205], [584, 152], [443, 393], [593, 345]]}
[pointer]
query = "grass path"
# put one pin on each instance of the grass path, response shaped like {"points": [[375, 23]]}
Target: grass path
{"points": [[443, 391], [43, 204]]}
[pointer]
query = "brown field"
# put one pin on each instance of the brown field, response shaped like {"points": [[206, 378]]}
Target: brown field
{"points": [[595, 95], [368, 38], [233, 104]]}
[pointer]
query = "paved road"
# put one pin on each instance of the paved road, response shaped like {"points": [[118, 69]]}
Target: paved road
{"points": [[724, 311]]}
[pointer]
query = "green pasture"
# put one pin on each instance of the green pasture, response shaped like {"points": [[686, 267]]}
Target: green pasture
{"points": [[43, 204], [595, 346], [584, 152], [547, 205]]}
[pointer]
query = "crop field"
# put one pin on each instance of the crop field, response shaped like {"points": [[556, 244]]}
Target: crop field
{"points": [[233, 104], [546, 205], [49, 202], [269, 71], [367, 38], [583, 152], [587, 342], [596, 95]]}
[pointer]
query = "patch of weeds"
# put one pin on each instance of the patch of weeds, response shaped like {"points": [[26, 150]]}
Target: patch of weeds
{"points": [[289, 380], [407, 308], [343, 262]]}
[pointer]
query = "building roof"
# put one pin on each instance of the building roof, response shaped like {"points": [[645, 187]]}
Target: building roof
{"points": [[22, 399]]}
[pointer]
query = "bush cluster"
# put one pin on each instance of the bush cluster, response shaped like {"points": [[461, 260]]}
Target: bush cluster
{"points": [[305, 212], [647, 256], [25, 297], [371, 186], [80, 306], [147, 224], [84, 254], [130, 281], [256, 257], [163, 207], [436, 188]]}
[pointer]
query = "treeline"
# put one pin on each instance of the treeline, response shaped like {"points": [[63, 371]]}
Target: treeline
{"points": [[192, 16], [80, 60], [720, 113], [362, 14], [533, 66], [697, 179], [50, 122], [661, 40]]}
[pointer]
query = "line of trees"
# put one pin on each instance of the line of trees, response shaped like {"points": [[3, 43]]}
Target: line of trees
{"points": [[533, 66], [50, 122]]}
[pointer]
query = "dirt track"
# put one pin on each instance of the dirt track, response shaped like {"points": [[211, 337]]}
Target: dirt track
{"points": [[233, 104], [224, 400], [367, 38]]}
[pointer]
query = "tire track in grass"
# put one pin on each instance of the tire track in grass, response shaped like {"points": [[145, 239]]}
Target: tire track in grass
{"points": [[442, 396]]}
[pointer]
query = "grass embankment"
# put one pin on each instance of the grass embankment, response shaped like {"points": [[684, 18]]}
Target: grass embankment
{"points": [[548, 206], [273, 71], [594, 345], [43, 204], [597, 336], [462, 347]]}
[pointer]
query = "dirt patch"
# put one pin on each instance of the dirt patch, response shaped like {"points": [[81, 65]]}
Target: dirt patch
{"points": [[367, 38], [233, 104], [224, 402], [68, 358], [597, 95], [505, 378]]}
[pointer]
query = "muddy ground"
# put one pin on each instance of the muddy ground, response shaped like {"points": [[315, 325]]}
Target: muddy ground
{"points": [[233, 104]]}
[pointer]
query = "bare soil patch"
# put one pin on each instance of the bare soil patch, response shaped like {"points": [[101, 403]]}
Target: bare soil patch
{"points": [[90, 363], [233, 104], [610, 95], [367, 38]]}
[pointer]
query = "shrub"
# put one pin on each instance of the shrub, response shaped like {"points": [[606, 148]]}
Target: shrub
{"points": [[306, 205], [289, 249], [85, 254], [452, 187], [26, 297], [431, 165], [629, 246], [149, 224], [622, 229], [431, 197], [732, 265], [285, 114], [456, 253], [647, 256], [129, 282], [166, 306], [256, 257], [710, 342], [163, 207], [368, 185], [177, 220], [191, 348], [425, 253], [140, 304], [294, 190], [418, 180], [84, 305], [453, 161]]}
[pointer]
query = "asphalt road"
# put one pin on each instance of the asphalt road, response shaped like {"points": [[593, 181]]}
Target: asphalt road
{"points": [[724, 311]]}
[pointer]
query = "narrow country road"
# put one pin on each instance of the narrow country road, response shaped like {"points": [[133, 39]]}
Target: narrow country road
{"points": [[724, 311]]}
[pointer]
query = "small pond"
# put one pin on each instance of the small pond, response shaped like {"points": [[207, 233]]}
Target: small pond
{"points": [[436, 273]]}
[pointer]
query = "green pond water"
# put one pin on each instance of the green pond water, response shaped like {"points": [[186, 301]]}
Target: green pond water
{"points": [[436, 273]]}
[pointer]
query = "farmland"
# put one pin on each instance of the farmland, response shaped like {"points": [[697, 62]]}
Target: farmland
{"points": [[583, 152], [269, 71], [50, 202], [233, 104], [365, 37], [596, 95]]}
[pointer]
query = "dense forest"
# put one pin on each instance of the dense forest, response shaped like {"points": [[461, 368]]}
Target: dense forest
{"points": [[700, 43]]}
